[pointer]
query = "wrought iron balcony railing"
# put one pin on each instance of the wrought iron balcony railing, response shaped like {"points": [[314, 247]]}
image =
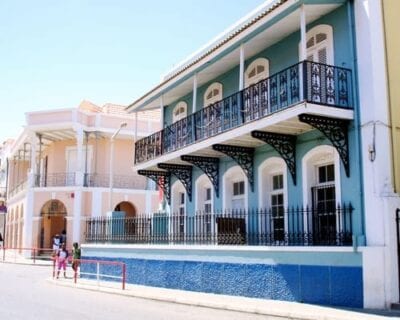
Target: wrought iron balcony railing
{"points": [[17, 188], [119, 181], [305, 81], [273, 227], [59, 179]]}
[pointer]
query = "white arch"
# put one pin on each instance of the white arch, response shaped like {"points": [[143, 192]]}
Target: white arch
{"points": [[202, 183], [213, 94], [232, 175], [320, 155], [266, 169], [318, 38], [180, 111], [256, 71], [176, 189]]}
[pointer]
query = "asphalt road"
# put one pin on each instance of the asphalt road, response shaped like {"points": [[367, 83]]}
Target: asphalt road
{"points": [[26, 295]]}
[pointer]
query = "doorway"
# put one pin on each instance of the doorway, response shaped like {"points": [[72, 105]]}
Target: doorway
{"points": [[54, 221]]}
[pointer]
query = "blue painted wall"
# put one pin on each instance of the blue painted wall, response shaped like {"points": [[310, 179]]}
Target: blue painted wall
{"points": [[259, 275]]}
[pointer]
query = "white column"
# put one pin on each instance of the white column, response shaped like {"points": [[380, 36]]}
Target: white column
{"points": [[241, 68], [136, 124], [76, 222], [194, 93], [162, 112], [33, 168], [79, 157], [28, 218], [303, 48], [303, 33]]}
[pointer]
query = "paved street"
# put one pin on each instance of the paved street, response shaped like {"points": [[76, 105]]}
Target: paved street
{"points": [[27, 295]]}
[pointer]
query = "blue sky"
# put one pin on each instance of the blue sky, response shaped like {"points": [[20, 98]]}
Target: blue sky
{"points": [[54, 53]]}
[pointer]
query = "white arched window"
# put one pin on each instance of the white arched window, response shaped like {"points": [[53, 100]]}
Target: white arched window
{"points": [[205, 222], [321, 189], [256, 71], [178, 209], [213, 94], [273, 197], [319, 44], [235, 189], [180, 111]]}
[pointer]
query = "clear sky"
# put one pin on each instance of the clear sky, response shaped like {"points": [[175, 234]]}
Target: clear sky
{"points": [[55, 53]]}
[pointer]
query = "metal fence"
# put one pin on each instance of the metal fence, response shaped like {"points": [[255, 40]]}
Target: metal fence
{"points": [[271, 227], [57, 179], [305, 81]]}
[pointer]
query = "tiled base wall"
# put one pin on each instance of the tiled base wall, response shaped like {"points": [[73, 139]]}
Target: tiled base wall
{"points": [[325, 285]]}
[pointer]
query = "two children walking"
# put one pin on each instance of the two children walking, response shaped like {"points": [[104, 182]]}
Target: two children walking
{"points": [[62, 258]]}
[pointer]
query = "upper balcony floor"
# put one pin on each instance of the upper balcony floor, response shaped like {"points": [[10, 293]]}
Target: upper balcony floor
{"points": [[293, 58]]}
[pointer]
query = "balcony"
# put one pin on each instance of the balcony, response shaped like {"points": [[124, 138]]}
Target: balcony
{"points": [[17, 188], [295, 226], [58, 179], [305, 82], [119, 181]]}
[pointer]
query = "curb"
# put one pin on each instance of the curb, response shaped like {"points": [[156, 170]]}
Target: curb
{"points": [[272, 308]]}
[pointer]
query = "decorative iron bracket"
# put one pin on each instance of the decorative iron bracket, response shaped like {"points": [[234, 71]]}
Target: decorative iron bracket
{"points": [[285, 144], [336, 130], [209, 165], [243, 156], [182, 172], [163, 180]]}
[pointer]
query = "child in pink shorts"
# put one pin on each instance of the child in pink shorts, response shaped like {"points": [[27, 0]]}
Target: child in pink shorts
{"points": [[62, 258]]}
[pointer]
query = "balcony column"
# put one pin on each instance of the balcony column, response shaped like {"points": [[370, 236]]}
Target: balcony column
{"points": [[79, 157], [303, 49], [162, 112], [33, 167], [241, 68], [194, 93], [76, 220]]}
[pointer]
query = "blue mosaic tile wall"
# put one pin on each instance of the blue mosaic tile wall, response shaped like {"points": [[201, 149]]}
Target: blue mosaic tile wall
{"points": [[324, 285]]}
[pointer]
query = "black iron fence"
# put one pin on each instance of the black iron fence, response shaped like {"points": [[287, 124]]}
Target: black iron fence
{"points": [[291, 227], [305, 81]]}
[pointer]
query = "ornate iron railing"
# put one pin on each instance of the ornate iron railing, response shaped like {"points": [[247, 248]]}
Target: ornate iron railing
{"points": [[58, 179], [305, 81], [272, 227], [119, 181]]}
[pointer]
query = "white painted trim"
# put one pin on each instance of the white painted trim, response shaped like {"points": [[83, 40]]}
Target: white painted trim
{"points": [[234, 174], [321, 28], [258, 62], [194, 104], [241, 67], [213, 99], [308, 161], [203, 182], [181, 115], [217, 248]]}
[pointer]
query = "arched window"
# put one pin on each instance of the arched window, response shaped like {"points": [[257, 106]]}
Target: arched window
{"points": [[204, 205], [213, 94], [178, 210], [256, 71], [235, 189], [273, 198], [180, 111], [320, 44], [321, 190]]}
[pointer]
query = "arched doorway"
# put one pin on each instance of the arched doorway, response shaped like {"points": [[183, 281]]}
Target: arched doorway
{"points": [[53, 215], [127, 208]]}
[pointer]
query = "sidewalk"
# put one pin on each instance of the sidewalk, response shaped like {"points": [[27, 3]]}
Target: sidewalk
{"points": [[282, 309]]}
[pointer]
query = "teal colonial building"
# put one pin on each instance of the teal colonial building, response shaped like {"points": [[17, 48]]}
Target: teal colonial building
{"points": [[259, 163]]}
